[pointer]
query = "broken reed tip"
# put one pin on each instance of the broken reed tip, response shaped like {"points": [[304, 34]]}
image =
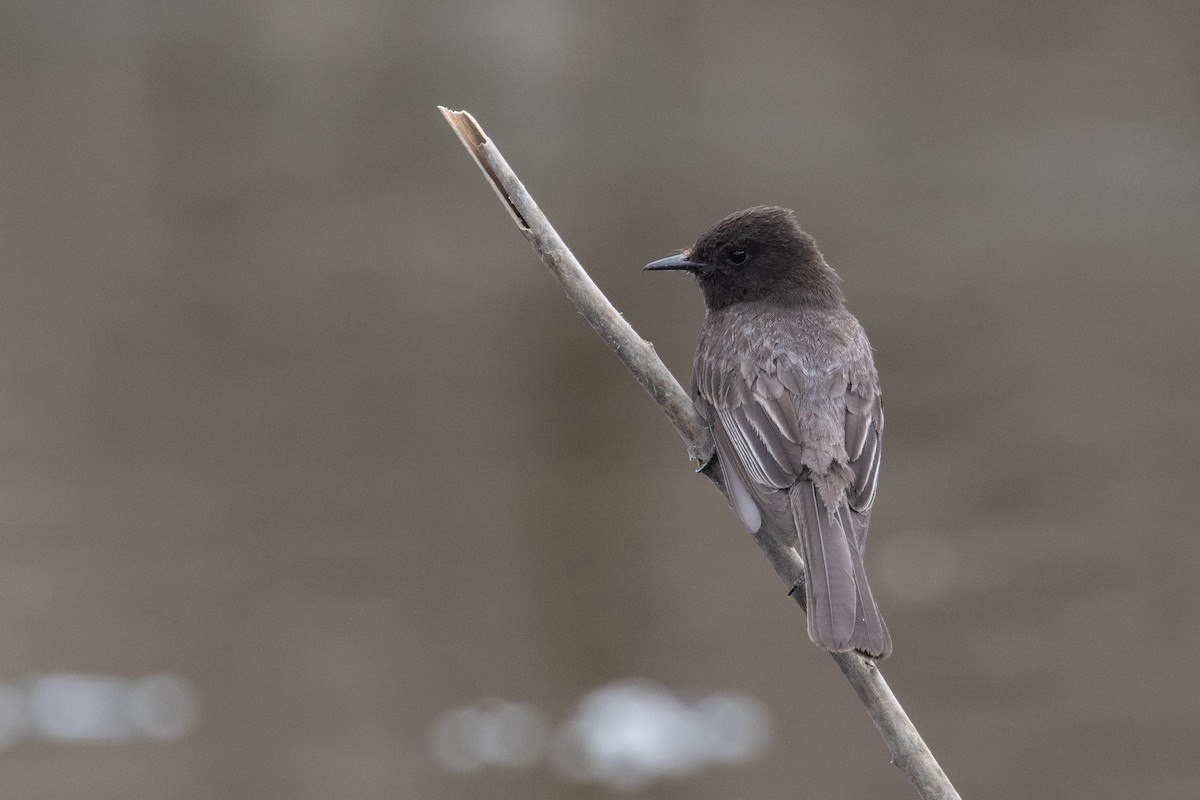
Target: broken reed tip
{"points": [[465, 126]]}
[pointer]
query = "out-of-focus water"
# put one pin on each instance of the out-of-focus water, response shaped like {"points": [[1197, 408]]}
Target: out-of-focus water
{"points": [[291, 416]]}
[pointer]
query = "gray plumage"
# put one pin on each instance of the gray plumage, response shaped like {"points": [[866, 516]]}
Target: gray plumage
{"points": [[785, 377]]}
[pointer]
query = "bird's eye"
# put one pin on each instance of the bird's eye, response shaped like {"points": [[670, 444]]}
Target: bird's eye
{"points": [[737, 256]]}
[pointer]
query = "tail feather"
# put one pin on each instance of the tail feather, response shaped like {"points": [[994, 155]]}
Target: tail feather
{"points": [[829, 570], [871, 637], [842, 614]]}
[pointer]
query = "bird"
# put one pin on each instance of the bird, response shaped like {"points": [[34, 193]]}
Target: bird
{"points": [[785, 377]]}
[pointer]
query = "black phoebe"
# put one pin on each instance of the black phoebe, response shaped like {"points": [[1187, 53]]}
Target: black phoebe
{"points": [[784, 375]]}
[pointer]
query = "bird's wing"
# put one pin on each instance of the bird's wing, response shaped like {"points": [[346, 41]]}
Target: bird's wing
{"points": [[764, 440], [755, 411], [756, 433], [864, 448]]}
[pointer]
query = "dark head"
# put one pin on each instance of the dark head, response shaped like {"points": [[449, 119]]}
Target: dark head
{"points": [[758, 254]]}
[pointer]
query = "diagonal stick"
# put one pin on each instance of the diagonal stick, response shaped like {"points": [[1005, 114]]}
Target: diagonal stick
{"points": [[908, 750]]}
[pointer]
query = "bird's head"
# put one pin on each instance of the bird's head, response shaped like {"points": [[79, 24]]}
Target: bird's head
{"points": [[759, 254]]}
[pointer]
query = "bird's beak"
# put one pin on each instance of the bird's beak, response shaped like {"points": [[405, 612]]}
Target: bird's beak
{"points": [[678, 261]]}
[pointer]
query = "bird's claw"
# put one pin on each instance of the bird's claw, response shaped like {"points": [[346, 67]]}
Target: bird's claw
{"points": [[797, 594]]}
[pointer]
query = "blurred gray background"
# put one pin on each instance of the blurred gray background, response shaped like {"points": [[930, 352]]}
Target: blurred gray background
{"points": [[291, 414]]}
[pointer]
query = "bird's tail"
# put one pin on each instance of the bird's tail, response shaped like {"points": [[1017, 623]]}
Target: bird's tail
{"points": [[842, 614]]}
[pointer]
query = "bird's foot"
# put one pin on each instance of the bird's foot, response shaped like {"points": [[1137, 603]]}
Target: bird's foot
{"points": [[797, 594]]}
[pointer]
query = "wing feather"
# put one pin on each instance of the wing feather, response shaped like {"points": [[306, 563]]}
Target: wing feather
{"points": [[864, 446]]}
